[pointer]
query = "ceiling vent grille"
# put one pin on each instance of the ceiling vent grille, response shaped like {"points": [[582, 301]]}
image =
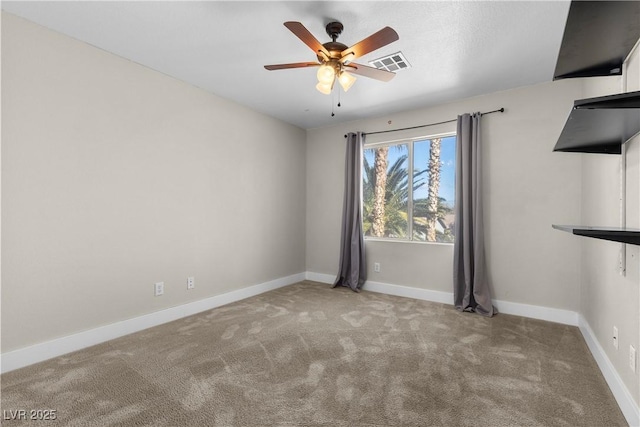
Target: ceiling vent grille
{"points": [[394, 62]]}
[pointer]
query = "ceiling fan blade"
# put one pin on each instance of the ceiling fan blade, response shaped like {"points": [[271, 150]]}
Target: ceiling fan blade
{"points": [[307, 38], [373, 73], [374, 41], [292, 65]]}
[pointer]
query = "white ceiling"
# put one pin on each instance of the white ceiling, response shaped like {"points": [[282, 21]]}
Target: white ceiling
{"points": [[456, 49]]}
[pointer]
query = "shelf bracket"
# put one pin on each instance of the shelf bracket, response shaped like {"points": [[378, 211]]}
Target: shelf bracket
{"points": [[622, 262]]}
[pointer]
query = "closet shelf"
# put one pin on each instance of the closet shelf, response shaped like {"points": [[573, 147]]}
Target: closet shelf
{"points": [[616, 234]]}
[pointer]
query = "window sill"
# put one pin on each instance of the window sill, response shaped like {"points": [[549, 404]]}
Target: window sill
{"points": [[414, 242]]}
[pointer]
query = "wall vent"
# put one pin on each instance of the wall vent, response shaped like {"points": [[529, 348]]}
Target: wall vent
{"points": [[394, 62]]}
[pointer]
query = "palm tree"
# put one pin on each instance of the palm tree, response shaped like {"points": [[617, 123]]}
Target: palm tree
{"points": [[380, 165], [434, 188], [395, 219], [421, 214]]}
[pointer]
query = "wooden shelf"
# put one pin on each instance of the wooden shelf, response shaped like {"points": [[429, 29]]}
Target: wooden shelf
{"points": [[601, 125], [598, 36], [615, 234]]}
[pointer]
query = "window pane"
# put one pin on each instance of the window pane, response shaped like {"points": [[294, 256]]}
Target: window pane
{"points": [[434, 189], [385, 191]]}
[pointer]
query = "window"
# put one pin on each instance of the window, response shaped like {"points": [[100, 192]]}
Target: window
{"points": [[423, 211]]}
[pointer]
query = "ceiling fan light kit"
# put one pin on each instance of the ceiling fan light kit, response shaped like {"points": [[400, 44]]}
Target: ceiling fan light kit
{"points": [[346, 80], [324, 88], [327, 75], [334, 58]]}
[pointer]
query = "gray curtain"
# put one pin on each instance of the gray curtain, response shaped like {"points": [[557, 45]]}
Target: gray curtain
{"points": [[470, 285], [353, 268]]}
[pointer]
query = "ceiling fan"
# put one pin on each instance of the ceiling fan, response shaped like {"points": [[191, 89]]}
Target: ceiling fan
{"points": [[335, 58]]}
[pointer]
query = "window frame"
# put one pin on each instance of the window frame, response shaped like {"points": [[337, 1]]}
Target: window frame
{"points": [[409, 141]]}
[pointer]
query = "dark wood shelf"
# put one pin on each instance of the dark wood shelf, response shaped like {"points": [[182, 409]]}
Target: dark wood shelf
{"points": [[601, 125], [615, 234], [598, 36]]}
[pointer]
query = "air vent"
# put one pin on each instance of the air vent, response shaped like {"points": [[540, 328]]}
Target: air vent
{"points": [[394, 62]]}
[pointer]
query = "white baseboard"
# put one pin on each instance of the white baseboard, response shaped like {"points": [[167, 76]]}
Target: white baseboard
{"points": [[627, 404], [39, 352], [532, 311], [319, 277], [409, 292], [549, 314]]}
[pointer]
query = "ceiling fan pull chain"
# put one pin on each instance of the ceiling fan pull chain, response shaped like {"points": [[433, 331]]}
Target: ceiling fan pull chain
{"points": [[333, 103]]}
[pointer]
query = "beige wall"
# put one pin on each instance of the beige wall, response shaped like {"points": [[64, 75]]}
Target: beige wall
{"points": [[527, 188], [608, 298], [115, 176]]}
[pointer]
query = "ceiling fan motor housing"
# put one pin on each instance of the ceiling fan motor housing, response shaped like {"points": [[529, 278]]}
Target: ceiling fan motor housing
{"points": [[334, 48]]}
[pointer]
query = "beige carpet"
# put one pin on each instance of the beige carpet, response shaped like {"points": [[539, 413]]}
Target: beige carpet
{"points": [[309, 355]]}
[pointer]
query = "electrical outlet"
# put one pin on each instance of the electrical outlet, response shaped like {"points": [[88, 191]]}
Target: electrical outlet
{"points": [[376, 267], [159, 289], [615, 337], [632, 358], [191, 282]]}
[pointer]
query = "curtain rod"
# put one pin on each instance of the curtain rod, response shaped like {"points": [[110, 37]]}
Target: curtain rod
{"points": [[500, 110]]}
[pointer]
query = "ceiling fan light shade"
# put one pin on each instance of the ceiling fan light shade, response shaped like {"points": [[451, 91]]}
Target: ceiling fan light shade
{"points": [[326, 74], [324, 88], [346, 80]]}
